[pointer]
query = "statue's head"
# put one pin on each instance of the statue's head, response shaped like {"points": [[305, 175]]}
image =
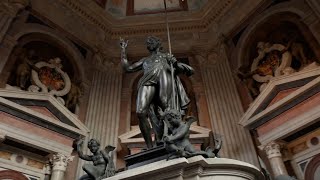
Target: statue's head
{"points": [[94, 145], [173, 116], [153, 43]]}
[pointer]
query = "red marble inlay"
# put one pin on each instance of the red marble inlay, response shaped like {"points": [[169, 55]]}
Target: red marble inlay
{"points": [[282, 94], [34, 129], [43, 110], [286, 116]]}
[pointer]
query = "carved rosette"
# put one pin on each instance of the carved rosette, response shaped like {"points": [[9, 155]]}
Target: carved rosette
{"points": [[45, 86], [60, 162]]}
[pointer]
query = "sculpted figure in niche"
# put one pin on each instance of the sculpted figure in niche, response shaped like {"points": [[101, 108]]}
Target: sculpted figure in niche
{"points": [[73, 96], [103, 165], [245, 76], [23, 72], [156, 85]]}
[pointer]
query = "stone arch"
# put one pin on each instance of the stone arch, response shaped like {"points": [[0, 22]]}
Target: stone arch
{"points": [[10, 174], [312, 167], [285, 8], [31, 32]]}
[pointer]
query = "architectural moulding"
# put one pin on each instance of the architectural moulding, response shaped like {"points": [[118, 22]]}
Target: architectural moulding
{"points": [[195, 168], [200, 22]]}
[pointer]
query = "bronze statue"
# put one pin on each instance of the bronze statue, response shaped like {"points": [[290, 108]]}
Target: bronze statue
{"points": [[176, 137], [103, 165], [157, 85]]}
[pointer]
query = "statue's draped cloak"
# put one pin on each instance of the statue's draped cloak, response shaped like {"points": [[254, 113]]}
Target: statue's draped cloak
{"points": [[152, 70]]}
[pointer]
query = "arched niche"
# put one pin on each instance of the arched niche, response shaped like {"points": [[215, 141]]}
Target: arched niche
{"points": [[27, 33], [14, 175], [312, 171], [279, 24], [279, 28], [46, 44]]}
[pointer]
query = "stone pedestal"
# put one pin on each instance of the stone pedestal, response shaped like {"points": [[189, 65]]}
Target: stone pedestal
{"points": [[146, 157], [195, 168]]}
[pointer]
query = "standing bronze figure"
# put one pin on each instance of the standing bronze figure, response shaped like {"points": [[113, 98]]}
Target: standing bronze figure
{"points": [[156, 86]]}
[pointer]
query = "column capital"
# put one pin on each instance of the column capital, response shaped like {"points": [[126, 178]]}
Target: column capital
{"points": [[273, 148], [60, 161]]}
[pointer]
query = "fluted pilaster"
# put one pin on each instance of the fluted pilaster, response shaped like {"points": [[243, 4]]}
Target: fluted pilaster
{"points": [[104, 108], [225, 108]]}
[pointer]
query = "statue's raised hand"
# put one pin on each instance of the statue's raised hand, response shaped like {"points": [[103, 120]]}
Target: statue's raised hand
{"points": [[123, 43], [80, 142]]}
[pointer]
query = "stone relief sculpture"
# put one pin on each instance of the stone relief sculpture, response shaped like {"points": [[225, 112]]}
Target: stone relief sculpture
{"points": [[51, 79], [36, 74], [271, 61], [159, 86], [103, 165]]}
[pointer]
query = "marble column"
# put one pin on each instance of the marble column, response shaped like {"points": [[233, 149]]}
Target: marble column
{"points": [[47, 171], [273, 151], [103, 111], [225, 107], [8, 11], [59, 166]]}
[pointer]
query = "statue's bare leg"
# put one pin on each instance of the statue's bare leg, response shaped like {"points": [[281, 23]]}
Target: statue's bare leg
{"points": [[144, 99], [165, 90], [93, 171]]}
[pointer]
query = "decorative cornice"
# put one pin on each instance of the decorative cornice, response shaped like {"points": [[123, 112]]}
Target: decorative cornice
{"points": [[130, 26]]}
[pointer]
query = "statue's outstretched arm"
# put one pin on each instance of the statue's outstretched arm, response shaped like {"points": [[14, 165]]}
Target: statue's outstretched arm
{"points": [[124, 59], [80, 153]]}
